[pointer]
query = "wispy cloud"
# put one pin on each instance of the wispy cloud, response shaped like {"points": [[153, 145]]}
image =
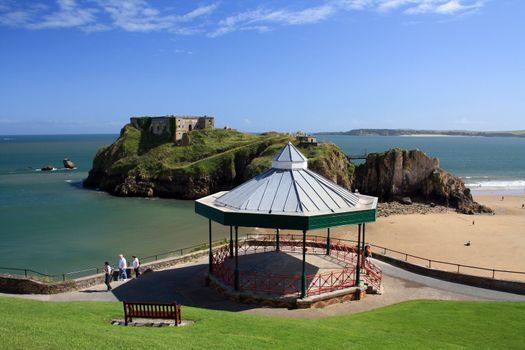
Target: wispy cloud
{"points": [[142, 16]]}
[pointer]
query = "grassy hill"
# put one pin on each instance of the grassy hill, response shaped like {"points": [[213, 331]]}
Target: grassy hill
{"points": [[27, 324], [140, 163]]}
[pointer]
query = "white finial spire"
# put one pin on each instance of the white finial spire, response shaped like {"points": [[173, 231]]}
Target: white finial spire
{"points": [[289, 158]]}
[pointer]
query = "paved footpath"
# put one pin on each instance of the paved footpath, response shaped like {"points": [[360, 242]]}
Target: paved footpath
{"points": [[185, 284]]}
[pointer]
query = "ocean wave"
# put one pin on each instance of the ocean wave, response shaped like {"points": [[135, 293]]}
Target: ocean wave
{"points": [[491, 184]]}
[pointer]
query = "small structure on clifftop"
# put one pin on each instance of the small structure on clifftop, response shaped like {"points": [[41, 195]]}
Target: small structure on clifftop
{"points": [[305, 140], [173, 126]]}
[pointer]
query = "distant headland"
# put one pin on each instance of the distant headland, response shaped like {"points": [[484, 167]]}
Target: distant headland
{"points": [[414, 132]]}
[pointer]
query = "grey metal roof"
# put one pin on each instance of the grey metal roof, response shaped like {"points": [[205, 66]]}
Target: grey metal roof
{"points": [[290, 188]]}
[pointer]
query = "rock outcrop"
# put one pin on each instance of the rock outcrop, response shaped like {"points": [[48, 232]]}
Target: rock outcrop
{"points": [[68, 164], [398, 173], [140, 164]]}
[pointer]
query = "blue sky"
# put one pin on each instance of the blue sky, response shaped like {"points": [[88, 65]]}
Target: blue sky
{"points": [[86, 66]]}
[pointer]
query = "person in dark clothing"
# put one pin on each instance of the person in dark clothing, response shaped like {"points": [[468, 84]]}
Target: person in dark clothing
{"points": [[108, 275]]}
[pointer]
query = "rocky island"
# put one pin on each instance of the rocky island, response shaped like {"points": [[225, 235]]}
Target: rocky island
{"points": [[187, 158]]}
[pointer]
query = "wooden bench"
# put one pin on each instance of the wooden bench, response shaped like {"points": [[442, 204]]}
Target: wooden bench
{"points": [[151, 310]]}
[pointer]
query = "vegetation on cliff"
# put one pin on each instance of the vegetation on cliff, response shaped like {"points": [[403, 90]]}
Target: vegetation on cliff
{"points": [[141, 164]]}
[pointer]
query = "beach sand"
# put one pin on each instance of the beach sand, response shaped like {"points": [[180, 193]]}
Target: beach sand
{"points": [[497, 241]]}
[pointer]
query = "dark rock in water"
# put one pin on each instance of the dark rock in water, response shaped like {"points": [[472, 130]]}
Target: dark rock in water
{"points": [[68, 164], [47, 168], [405, 200], [401, 173]]}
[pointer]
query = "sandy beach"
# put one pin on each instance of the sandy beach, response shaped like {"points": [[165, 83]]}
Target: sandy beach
{"points": [[497, 241]]}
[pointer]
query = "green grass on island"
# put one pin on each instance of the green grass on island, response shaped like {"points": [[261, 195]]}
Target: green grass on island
{"points": [[28, 324]]}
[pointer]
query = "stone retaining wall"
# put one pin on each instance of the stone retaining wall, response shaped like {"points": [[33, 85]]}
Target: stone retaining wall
{"points": [[22, 285], [470, 280]]}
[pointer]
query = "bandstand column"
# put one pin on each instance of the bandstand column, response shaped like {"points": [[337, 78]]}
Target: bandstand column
{"points": [[211, 253], [358, 266], [363, 245], [303, 276], [328, 242], [277, 241], [231, 242], [236, 272]]}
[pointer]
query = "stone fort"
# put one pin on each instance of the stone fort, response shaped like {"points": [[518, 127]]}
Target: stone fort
{"points": [[175, 126]]}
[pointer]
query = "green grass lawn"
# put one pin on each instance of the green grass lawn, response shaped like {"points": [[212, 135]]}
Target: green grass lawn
{"points": [[26, 324]]}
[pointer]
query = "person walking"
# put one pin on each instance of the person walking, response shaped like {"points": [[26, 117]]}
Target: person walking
{"points": [[108, 275], [368, 253], [122, 267], [136, 266]]}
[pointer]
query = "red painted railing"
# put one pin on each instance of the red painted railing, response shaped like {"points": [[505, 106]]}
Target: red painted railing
{"points": [[283, 285], [330, 281]]}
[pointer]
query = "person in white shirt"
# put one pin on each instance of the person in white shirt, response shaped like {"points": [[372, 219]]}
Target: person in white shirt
{"points": [[122, 266], [136, 266]]}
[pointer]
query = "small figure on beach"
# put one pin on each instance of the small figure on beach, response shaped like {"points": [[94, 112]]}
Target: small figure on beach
{"points": [[108, 275], [136, 266], [502, 198], [473, 222], [122, 267], [368, 253], [467, 244], [523, 206]]}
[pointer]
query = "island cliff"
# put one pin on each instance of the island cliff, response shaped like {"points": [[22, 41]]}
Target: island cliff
{"points": [[141, 163], [398, 173]]}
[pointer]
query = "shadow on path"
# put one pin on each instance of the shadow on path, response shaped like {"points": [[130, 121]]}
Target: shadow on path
{"points": [[185, 285]]}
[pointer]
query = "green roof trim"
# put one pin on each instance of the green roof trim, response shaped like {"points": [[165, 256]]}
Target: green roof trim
{"points": [[291, 222]]}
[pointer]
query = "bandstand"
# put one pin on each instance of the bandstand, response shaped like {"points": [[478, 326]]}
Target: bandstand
{"points": [[290, 197]]}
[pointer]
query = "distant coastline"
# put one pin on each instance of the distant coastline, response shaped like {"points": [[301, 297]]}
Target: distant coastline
{"points": [[425, 133]]}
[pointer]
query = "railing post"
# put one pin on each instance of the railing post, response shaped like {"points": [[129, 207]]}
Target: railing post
{"points": [[25, 272], [429, 263], [493, 273], [406, 257], [63, 276], [458, 268]]}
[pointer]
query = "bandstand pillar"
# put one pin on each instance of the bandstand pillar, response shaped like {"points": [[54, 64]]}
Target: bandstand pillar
{"points": [[358, 266], [328, 242], [236, 272], [303, 275], [231, 242], [363, 245], [210, 257], [277, 241]]}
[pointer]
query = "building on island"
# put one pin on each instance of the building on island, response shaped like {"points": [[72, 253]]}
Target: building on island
{"points": [[306, 140], [174, 126]]}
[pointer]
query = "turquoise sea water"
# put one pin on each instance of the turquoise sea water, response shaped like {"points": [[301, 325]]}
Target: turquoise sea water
{"points": [[49, 223]]}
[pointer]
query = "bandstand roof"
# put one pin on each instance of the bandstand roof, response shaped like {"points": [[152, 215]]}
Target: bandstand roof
{"points": [[288, 196]]}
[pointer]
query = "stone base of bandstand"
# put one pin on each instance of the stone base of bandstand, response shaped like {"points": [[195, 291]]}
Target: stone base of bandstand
{"points": [[290, 302]]}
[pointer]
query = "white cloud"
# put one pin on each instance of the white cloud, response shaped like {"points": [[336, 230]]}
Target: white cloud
{"points": [[143, 16]]}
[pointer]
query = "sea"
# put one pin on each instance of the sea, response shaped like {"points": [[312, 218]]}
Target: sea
{"points": [[50, 224]]}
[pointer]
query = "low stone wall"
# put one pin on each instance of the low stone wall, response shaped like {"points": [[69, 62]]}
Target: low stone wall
{"points": [[470, 280], [21, 285]]}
